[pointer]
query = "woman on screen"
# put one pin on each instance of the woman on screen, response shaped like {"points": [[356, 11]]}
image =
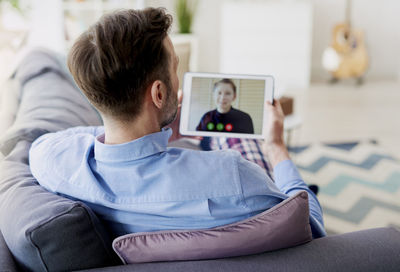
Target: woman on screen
{"points": [[225, 118]]}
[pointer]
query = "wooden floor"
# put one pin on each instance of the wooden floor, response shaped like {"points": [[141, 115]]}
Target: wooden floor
{"points": [[345, 111]]}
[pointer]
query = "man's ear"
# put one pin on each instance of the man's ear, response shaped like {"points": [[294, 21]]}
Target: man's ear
{"points": [[158, 93]]}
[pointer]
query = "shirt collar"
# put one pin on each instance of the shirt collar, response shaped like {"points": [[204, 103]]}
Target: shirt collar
{"points": [[140, 148]]}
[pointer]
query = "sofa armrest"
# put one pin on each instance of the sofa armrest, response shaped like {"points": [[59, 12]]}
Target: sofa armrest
{"points": [[367, 250], [6, 260]]}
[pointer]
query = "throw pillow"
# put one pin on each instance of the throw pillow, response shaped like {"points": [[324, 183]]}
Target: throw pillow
{"points": [[285, 225]]}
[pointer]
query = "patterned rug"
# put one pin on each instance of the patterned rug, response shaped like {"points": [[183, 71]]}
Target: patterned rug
{"points": [[359, 184]]}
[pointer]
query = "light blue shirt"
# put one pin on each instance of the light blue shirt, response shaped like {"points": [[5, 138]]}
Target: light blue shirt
{"points": [[144, 186]]}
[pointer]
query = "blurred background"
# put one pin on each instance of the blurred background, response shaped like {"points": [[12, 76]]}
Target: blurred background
{"points": [[337, 60]]}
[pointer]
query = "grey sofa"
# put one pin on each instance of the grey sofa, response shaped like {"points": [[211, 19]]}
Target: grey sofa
{"points": [[368, 250], [41, 231]]}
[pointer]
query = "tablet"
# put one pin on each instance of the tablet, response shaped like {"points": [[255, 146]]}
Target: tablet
{"points": [[225, 105]]}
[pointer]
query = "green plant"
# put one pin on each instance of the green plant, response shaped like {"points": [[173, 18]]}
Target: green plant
{"points": [[185, 10], [14, 3]]}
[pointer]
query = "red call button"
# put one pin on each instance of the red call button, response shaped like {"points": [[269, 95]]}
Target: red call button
{"points": [[228, 127]]}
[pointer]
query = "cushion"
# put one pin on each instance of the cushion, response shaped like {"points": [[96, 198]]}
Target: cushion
{"points": [[284, 225], [6, 260], [44, 231]]}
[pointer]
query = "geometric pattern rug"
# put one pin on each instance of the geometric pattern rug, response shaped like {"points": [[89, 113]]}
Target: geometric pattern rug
{"points": [[359, 184]]}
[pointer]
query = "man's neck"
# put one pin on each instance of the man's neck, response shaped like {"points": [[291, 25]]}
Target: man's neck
{"points": [[117, 132]]}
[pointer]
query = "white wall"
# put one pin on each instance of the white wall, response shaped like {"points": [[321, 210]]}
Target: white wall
{"points": [[207, 26], [380, 20], [268, 37]]}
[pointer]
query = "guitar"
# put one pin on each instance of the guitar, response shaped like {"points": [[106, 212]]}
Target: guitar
{"points": [[347, 55]]}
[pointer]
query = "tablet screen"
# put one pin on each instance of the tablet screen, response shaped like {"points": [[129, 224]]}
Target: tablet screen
{"points": [[225, 105]]}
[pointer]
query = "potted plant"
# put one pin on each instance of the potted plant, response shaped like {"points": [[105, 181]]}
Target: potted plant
{"points": [[185, 42], [13, 3], [12, 22], [185, 10], [10, 6]]}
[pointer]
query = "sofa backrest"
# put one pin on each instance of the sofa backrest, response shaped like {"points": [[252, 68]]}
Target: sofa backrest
{"points": [[44, 231]]}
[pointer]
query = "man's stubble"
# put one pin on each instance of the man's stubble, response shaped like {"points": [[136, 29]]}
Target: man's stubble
{"points": [[170, 111]]}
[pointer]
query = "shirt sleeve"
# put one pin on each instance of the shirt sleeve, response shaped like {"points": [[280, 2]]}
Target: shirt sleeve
{"points": [[48, 153], [251, 127], [261, 193], [289, 181], [202, 126]]}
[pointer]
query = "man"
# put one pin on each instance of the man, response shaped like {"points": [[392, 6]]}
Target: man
{"points": [[126, 66]]}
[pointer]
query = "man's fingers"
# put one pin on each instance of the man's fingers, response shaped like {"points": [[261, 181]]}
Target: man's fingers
{"points": [[275, 103], [270, 106], [180, 97], [276, 106]]}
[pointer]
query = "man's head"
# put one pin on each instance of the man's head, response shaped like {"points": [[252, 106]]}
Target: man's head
{"points": [[224, 94], [119, 58]]}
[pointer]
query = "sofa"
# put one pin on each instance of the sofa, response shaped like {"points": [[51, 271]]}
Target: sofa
{"points": [[367, 250], [41, 231]]}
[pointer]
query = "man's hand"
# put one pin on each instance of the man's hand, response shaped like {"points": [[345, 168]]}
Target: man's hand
{"points": [[274, 144]]}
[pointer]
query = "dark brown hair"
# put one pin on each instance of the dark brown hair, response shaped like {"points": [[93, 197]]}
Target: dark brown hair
{"points": [[227, 81], [116, 59]]}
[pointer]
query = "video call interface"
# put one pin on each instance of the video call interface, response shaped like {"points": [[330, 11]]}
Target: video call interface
{"points": [[227, 105]]}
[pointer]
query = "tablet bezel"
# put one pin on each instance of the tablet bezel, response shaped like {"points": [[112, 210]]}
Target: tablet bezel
{"points": [[185, 110]]}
